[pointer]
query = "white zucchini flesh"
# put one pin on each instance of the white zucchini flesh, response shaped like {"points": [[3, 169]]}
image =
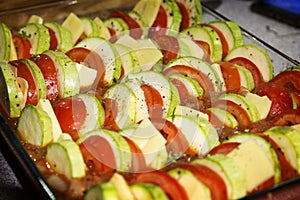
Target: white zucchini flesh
{"points": [[65, 157], [109, 55]]}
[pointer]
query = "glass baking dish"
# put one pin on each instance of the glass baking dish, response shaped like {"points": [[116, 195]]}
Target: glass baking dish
{"points": [[22, 164]]}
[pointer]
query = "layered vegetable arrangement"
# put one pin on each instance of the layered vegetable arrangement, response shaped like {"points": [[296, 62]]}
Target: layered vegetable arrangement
{"points": [[151, 103]]}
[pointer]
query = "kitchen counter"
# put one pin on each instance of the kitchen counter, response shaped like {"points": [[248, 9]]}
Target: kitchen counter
{"points": [[283, 37]]}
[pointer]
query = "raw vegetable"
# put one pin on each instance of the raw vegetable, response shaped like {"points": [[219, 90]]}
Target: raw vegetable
{"points": [[67, 74], [65, 158], [35, 126], [6, 43], [38, 36]]}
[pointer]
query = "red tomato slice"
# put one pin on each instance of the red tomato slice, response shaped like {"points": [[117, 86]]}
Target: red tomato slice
{"points": [[48, 69], [199, 76], [111, 110], [53, 39], [288, 77], [22, 46], [80, 54], [82, 37], [237, 111], [291, 86], [161, 18], [287, 171], [185, 98], [244, 62], [176, 141], [182, 90], [210, 178], [90, 59], [206, 49], [287, 118], [135, 29], [224, 148], [160, 24], [169, 46], [138, 163], [185, 21], [231, 76], [71, 114], [98, 154], [113, 38], [281, 99], [264, 185], [214, 120], [224, 42], [158, 177], [204, 45], [154, 101], [24, 71]]}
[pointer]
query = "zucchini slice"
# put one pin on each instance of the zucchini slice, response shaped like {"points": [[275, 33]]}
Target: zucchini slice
{"points": [[10, 95], [65, 158], [35, 126]]}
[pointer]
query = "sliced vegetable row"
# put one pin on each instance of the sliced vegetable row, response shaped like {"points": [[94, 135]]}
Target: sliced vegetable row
{"points": [[224, 173]]}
